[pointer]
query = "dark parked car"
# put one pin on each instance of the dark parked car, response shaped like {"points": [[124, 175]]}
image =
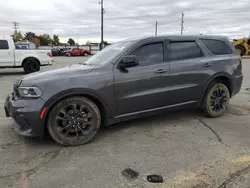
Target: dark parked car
{"points": [[127, 80], [55, 51]]}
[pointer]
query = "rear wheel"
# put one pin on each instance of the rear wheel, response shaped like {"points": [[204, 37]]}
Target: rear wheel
{"points": [[31, 66], [240, 49], [85, 54], [74, 121], [216, 100]]}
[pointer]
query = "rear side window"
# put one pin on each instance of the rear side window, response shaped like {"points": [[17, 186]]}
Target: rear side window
{"points": [[184, 50], [4, 45], [217, 47]]}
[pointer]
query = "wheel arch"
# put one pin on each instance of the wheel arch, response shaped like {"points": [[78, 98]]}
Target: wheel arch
{"points": [[74, 93], [221, 77]]}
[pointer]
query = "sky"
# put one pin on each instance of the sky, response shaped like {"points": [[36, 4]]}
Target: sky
{"points": [[80, 19]]}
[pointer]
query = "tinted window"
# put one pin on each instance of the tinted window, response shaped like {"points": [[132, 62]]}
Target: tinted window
{"points": [[4, 45], [184, 50], [149, 54], [217, 47]]}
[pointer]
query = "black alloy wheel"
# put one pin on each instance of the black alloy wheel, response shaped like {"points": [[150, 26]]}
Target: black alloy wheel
{"points": [[31, 66], [217, 100], [74, 121]]}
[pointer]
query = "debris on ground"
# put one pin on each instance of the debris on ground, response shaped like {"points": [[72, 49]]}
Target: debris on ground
{"points": [[155, 178], [130, 174]]}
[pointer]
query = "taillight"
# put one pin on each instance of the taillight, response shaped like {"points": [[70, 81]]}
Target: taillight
{"points": [[49, 54]]}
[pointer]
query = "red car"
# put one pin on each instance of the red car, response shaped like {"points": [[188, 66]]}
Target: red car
{"points": [[77, 51]]}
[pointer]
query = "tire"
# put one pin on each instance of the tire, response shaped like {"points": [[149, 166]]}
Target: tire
{"points": [[64, 127], [240, 49], [216, 100], [31, 66], [85, 54]]}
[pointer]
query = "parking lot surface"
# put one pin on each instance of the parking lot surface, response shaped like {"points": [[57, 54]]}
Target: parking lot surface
{"points": [[186, 148]]}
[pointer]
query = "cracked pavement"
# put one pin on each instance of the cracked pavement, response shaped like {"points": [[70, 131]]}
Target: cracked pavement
{"points": [[186, 148]]}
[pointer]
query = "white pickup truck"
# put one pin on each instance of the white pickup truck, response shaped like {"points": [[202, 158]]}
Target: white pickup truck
{"points": [[30, 60]]}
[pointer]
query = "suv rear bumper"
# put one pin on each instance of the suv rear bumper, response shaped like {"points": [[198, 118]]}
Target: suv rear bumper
{"points": [[26, 114], [237, 84], [47, 63]]}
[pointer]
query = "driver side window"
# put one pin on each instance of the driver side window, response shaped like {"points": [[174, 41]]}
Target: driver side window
{"points": [[149, 54]]}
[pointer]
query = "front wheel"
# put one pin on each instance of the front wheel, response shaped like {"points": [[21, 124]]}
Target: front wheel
{"points": [[216, 100], [74, 121]]}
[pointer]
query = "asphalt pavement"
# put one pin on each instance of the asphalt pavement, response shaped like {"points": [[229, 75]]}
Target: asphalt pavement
{"points": [[186, 148]]}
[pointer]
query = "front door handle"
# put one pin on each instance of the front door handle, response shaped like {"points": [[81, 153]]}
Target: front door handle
{"points": [[207, 65], [161, 71]]}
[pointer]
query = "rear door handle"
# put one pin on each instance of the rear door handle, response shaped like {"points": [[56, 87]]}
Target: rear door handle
{"points": [[207, 65], [161, 71]]}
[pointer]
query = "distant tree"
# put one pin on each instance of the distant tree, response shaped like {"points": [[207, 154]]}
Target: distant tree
{"points": [[45, 39], [105, 43], [17, 36], [55, 40], [88, 43], [29, 36], [71, 42], [36, 41]]}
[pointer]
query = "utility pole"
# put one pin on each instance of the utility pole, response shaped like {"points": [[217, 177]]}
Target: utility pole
{"points": [[15, 26], [156, 28], [102, 10], [182, 22]]}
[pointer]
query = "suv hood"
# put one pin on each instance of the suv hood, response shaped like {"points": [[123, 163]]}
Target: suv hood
{"points": [[61, 73]]}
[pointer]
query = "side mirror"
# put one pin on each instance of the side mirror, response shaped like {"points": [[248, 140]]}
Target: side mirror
{"points": [[128, 61]]}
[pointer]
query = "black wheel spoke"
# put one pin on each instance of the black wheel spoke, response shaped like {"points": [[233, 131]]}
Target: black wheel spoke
{"points": [[67, 132], [214, 107], [81, 108], [63, 112], [89, 115], [62, 118], [221, 106], [61, 129], [77, 134], [83, 132], [75, 108], [212, 103], [213, 97], [89, 123], [221, 92]]}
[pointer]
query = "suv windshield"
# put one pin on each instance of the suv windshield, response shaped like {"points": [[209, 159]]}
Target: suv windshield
{"points": [[108, 53]]}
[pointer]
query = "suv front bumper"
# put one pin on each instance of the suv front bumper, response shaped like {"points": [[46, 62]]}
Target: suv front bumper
{"points": [[26, 114]]}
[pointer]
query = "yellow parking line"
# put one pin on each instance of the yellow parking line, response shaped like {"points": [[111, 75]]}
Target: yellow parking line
{"points": [[242, 159], [190, 176]]}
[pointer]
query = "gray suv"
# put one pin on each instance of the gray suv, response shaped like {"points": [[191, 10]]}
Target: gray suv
{"points": [[126, 80]]}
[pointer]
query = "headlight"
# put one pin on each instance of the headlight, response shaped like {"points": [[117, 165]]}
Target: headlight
{"points": [[32, 92]]}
